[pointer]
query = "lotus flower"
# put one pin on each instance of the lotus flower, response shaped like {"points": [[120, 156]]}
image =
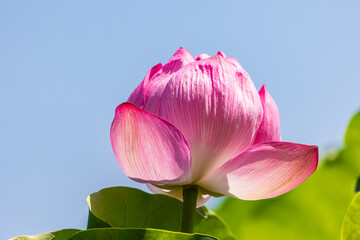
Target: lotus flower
{"points": [[201, 122]]}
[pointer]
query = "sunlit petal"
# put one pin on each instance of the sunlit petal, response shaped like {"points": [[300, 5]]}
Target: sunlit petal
{"points": [[217, 109], [148, 148], [158, 82], [264, 171]]}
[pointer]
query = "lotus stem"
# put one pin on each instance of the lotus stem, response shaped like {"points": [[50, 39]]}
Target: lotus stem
{"points": [[190, 194]]}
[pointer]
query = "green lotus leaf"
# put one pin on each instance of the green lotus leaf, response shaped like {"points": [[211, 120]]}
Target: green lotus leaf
{"points": [[136, 234], [351, 224], [63, 234], [352, 135], [124, 207]]}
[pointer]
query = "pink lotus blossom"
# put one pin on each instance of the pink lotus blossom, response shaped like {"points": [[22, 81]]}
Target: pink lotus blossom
{"points": [[200, 121]]}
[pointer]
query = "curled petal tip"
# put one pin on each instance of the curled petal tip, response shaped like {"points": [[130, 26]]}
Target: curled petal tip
{"points": [[122, 105], [269, 129], [180, 58], [222, 54], [182, 51], [263, 88], [315, 153], [138, 96], [149, 76]]}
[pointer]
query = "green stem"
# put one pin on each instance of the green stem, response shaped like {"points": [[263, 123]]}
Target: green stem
{"points": [[189, 207]]}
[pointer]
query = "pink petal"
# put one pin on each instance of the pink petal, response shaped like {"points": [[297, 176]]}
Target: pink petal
{"points": [[222, 54], [269, 130], [181, 58], [216, 107], [264, 170], [138, 96], [176, 192], [235, 62], [148, 148], [202, 56], [157, 84]]}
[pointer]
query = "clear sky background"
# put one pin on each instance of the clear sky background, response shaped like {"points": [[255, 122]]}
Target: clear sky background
{"points": [[66, 65]]}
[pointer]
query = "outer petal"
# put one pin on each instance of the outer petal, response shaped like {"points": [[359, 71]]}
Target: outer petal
{"points": [[269, 130], [157, 84], [176, 192], [138, 96], [216, 107], [264, 171], [149, 149]]}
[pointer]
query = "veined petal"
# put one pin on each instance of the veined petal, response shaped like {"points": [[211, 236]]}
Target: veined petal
{"points": [[264, 170], [157, 84], [269, 130], [176, 192], [138, 96], [148, 148], [217, 109], [181, 58]]}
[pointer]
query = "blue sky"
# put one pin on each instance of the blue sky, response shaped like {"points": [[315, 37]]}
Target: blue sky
{"points": [[66, 65]]}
